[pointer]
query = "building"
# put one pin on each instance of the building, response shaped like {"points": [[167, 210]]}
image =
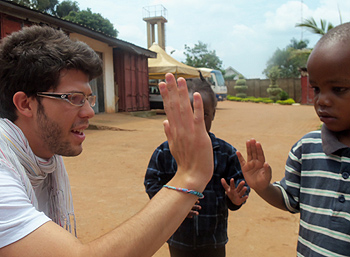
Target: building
{"points": [[231, 71], [124, 83]]}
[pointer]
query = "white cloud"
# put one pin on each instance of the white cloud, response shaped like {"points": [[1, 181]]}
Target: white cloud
{"points": [[284, 18]]}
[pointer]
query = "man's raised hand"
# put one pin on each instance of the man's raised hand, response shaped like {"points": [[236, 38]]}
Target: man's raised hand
{"points": [[188, 139]]}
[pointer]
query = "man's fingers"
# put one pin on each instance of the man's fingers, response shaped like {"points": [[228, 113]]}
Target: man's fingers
{"points": [[170, 95], [167, 130], [198, 107], [186, 111], [177, 105]]}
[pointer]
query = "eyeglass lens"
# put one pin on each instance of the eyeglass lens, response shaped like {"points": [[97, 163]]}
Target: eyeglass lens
{"points": [[79, 99]]}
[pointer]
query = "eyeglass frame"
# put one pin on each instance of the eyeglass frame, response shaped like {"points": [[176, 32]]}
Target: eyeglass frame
{"points": [[64, 96]]}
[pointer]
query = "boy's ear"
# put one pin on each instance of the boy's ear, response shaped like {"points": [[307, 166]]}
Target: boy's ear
{"points": [[214, 113], [23, 103]]}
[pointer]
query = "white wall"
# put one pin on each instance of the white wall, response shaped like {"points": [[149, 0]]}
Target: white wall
{"points": [[108, 73]]}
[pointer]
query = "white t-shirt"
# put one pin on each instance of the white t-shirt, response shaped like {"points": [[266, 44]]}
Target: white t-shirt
{"points": [[18, 217]]}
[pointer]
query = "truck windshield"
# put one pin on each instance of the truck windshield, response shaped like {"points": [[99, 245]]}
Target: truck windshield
{"points": [[220, 79]]}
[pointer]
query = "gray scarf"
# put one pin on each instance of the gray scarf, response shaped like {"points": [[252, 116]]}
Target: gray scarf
{"points": [[33, 171]]}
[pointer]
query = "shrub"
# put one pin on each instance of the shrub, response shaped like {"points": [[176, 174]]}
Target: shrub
{"points": [[259, 100], [285, 102], [284, 95], [267, 100], [241, 95], [233, 98], [241, 86], [274, 90]]}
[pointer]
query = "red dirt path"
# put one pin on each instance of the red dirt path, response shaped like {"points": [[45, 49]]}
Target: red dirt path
{"points": [[107, 178]]}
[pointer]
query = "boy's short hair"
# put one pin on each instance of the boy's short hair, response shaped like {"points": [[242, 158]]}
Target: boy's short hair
{"points": [[201, 86], [31, 61], [338, 33]]}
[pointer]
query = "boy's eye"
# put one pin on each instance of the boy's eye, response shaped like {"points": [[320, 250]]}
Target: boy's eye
{"points": [[339, 89], [316, 89]]}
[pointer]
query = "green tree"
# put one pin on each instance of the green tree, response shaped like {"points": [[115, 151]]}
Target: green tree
{"points": [[200, 56], [289, 59], [23, 2], [65, 7], [69, 10], [311, 25], [92, 20], [47, 6], [231, 77], [298, 44]]}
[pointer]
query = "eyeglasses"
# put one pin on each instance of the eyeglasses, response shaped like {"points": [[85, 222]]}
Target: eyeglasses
{"points": [[77, 99]]}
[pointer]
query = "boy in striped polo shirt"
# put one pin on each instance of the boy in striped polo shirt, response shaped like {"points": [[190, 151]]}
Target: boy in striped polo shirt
{"points": [[316, 182]]}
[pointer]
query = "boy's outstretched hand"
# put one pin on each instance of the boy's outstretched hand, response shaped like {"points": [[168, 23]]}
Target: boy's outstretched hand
{"points": [[236, 194], [188, 139], [256, 171], [195, 210]]}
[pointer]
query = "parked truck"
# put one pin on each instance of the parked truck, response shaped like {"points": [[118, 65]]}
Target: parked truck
{"points": [[216, 80], [217, 83]]}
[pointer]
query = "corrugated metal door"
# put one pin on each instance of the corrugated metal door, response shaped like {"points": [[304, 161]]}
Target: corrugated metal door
{"points": [[131, 76], [98, 90]]}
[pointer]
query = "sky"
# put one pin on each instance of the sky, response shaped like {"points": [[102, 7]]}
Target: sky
{"points": [[243, 33]]}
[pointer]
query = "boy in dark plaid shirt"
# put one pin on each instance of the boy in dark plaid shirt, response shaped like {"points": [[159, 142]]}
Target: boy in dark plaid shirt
{"points": [[204, 231]]}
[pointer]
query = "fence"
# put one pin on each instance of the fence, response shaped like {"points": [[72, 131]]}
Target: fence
{"points": [[257, 87]]}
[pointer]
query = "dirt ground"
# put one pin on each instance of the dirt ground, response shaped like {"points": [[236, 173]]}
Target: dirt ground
{"points": [[107, 178]]}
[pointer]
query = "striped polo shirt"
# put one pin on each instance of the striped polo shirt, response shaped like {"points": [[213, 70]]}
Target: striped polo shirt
{"points": [[317, 185]]}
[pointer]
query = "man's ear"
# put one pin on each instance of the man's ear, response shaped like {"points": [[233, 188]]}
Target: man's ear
{"points": [[23, 103]]}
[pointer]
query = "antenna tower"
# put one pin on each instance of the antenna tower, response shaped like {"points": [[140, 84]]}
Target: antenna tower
{"points": [[155, 15]]}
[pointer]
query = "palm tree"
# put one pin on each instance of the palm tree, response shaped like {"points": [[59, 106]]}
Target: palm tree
{"points": [[312, 26]]}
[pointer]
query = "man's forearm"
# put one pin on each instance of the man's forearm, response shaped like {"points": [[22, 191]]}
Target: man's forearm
{"points": [[144, 233]]}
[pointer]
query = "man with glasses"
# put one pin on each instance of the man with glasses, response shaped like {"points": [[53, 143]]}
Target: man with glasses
{"points": [[45, 106]]}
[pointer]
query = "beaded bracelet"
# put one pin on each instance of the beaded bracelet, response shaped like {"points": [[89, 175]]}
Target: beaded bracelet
{"points": [[192, 192]]}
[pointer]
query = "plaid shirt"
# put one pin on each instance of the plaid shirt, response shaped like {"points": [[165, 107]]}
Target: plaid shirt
{"points": [[209, 229]]}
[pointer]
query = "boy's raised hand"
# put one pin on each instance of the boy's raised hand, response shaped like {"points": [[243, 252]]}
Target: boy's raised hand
{"points": [[236, 194], [188, 139], [256, 171]]}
